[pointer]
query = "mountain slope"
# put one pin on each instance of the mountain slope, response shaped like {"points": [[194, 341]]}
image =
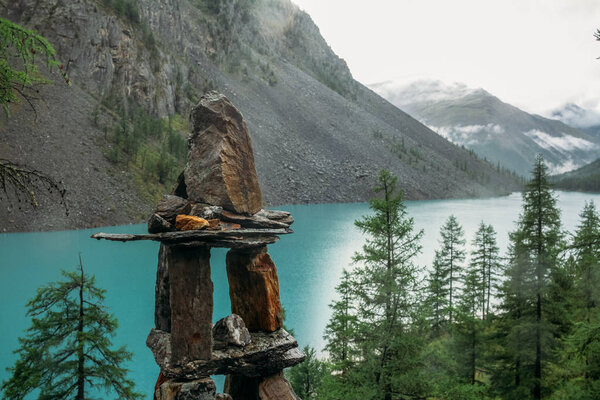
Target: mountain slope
{"points": [[585, 120], [498, 131], [584, 179], [318, 135]]}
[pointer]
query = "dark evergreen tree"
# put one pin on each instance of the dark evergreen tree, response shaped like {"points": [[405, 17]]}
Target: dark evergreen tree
{"points": [[486, 260], [578, 372], [67, 349], [386, 289], [306, 377], [438, 294], [586, 245], [340, 331], [450, 258], [535, 247], [468, 331]]}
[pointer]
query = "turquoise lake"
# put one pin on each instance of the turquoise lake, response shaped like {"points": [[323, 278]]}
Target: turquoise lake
{"points": [[309, 264]]}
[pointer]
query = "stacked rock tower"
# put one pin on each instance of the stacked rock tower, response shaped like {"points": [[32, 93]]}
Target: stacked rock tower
{"points": [[217, 203]]}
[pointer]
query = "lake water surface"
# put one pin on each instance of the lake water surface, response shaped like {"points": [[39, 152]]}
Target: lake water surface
{"points": [[309, 264]]}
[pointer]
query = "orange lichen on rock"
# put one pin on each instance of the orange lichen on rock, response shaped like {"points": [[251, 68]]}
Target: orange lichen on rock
{"points": [[189, 223]]}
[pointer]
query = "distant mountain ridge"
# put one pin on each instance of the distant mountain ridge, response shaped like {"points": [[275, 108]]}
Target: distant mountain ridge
{"points": [[573, 115], [317, 134], [495, 130], [584, 179]]}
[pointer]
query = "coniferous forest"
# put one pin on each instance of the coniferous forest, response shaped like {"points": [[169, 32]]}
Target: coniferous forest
{"points": [[516, 323]]}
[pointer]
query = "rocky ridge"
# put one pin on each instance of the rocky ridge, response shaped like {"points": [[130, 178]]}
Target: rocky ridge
{"points": [[318, 135]]}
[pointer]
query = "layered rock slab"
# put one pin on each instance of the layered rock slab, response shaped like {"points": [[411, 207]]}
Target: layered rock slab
{"points": [[254, 289], [220, 169], [266, 354]]}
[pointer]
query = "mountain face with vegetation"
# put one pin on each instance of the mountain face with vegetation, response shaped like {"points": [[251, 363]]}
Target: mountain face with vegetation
{"points": [[117, 136], [493, 129], [584, 179]]}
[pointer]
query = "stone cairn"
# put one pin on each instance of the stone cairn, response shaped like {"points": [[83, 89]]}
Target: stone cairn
{"points": [[217, 203]]}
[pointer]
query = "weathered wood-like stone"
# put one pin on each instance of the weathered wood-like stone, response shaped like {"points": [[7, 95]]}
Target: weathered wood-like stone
{"points": [[252, 221], [220, 168], [223, 396], [208, 236], [162, 307], [276, 387], [191, 301], [276, 215], [200, 389], [254, 289], [266, 354], [157, 224], [230, 330], [170, 206]]}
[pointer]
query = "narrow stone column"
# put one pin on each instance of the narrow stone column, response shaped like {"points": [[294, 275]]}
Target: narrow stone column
{"points": [[162, 307], [254, 289], [191, 301]]}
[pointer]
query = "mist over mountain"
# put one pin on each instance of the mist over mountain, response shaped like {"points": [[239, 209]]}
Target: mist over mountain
{"points": [[498, 131], [573, 115]]}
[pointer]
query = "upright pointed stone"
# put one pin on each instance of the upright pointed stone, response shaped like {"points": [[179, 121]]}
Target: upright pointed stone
{"points": [[254, 289], [220, 168], [191, 303]]}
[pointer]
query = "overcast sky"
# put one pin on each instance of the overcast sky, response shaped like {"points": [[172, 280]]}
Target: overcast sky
{"points": [[535, 54]]}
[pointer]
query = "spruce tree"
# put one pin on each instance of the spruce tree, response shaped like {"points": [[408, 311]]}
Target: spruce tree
{"points": [[586, 244], [438, 291], [468, 332], [340, 331], [450, 258], [578, 375], [535, 246], [306, 377], [485, 259], [386, 289], [67, 349]]}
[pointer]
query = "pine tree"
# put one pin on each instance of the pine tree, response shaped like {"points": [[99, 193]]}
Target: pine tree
{"points": [[306, 378], [341, 328], [438, 292], [450, 258], [579, 372], [386, 291], [587, 260], [67, 349], [535, 246], [485, 259], [468, 332]]}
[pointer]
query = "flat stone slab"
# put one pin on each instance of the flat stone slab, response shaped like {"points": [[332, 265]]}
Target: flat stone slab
{"points": [[266, 354], [238, 238]]}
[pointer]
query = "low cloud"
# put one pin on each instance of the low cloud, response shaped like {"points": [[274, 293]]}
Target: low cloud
{"points": [[573, 115], [467, 134], [564, 143]]}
